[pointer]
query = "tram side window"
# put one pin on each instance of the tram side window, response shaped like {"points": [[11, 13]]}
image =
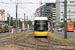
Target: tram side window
{"points": [[46, 25], [35, 26]]}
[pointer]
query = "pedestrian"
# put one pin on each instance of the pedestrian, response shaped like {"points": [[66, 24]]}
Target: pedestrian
{"points": [[14, 30]]}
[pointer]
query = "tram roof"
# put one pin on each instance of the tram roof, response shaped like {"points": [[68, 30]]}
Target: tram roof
{"points": [[41, 18]]}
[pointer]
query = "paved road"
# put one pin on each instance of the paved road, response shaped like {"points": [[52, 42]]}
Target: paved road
{"points": [[1, 34], [69, 34]]}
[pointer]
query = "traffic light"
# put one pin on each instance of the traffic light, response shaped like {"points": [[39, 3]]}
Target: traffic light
{"points": [[8, 20]]}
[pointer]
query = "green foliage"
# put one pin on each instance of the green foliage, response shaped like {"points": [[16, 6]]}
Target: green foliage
{"points": [[30, 23], [14, 23], [62, 24], [73, 22], [11, 21], [19, 23], [70, 20], [8, 20], [50, 24]]}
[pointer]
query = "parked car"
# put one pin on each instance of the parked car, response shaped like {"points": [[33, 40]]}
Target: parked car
{"points": [[59, 29]]}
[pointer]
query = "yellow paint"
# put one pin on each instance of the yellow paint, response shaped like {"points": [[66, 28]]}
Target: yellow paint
{"points": [[39, 33]]}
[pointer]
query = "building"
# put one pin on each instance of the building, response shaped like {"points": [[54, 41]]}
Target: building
{"points": [[46, 11], [2, 18], [60, 11]]}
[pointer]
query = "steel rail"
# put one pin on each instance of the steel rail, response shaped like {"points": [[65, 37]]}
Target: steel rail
{"points": [[51, 44], [36, 44]]}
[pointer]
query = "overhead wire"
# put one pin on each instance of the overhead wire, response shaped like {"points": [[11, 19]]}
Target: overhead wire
{"points": [[25, 11], [26, 8]]}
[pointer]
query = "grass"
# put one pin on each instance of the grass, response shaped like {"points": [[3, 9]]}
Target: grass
{"points": [[61, 37], [11, 36], [9, 47]]}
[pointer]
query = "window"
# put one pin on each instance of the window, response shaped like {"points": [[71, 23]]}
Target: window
{"points": [[71, 1], [41, 26], [62, 19], [62, 12], [62, 5], [73, 12]]}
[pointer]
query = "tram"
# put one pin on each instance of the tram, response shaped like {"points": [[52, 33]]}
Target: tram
{"points": [[41, 27]]}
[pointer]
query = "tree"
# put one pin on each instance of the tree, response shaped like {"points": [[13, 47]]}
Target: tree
{"points": [[14, 23], [73, 22], [30, 23], [62, 24], [11, 21], [19, 23]]}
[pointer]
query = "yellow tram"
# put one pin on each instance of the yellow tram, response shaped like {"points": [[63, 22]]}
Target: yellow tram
{"points": [[41, 26]]}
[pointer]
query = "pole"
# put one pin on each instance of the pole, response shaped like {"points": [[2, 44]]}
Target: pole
{"points": [[40, 8], [51, 20], [18, 23], [16, 18], [9, 23], [27, 23], [69, 15], [24, 20], [65, 19], [4, 19], [2, 23]]}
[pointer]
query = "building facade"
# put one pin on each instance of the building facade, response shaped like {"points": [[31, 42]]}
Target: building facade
{"points": [[45, 11], [60, 11]]}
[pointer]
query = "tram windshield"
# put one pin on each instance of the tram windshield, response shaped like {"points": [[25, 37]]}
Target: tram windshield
{"points": [[41, 25]]}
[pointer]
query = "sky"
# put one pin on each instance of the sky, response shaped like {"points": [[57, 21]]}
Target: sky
{"points": [[28, 9]]}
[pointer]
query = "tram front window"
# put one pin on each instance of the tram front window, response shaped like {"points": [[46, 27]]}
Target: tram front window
{"points": [[41, 26]]}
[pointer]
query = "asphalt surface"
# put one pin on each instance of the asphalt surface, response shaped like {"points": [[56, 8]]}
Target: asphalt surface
{"points": [[2, 34], [69, 34]]}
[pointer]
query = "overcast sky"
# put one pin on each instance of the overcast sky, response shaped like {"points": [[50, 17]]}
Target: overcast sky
{"points": [[29, 9]]}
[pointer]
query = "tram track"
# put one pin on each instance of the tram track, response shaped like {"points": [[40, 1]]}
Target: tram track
{"points": [[36, 44], [26, 41], [8, 41], [49, 46], [55, 42], [18, 42], [31, 45]]}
